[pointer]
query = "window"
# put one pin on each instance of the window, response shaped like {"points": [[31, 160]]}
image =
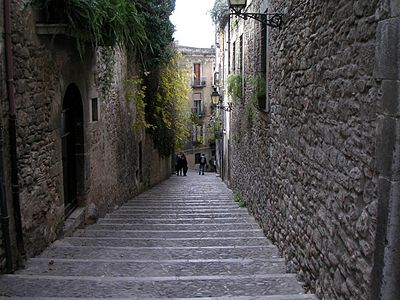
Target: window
{"points": [[197, 74], [95, 110], [197, 103]]}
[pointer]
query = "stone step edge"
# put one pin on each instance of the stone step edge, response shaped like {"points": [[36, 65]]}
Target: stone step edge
{"points": [[271, 297], [153, 278], [172, 231], [166, 261], [178, 224], [60, 244], [165, 239]]}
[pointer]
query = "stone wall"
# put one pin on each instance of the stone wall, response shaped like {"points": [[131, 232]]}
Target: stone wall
{"points": [[45, 65], [307, 168], [386, 272]]}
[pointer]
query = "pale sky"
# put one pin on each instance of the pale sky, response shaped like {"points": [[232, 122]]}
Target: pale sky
{"points": [[193, 25]]}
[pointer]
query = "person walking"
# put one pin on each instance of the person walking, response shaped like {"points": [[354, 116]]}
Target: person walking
{"points": [[184, 164], [178, 166], [203, 162]]}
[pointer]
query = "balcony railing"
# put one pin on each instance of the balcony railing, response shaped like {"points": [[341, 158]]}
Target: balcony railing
{"points": [[199, 82]]}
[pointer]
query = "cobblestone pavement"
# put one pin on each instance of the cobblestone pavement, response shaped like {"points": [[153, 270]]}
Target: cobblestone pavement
{"points": [[185, 238]]}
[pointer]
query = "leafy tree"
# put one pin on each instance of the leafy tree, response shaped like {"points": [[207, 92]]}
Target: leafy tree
{"points": [[170, 113], [159, 31], [220, 13]]}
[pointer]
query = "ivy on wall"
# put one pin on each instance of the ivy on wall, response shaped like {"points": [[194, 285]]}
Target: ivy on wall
{"points": [[143, 28]]}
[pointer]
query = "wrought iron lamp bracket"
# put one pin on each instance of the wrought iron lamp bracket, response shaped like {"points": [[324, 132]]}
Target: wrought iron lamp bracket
{"points": [[272, 20]]}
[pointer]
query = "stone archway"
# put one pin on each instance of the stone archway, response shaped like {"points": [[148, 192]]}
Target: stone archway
{"points": [[72, 133]]}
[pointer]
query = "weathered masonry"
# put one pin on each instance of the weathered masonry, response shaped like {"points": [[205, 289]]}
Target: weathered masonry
{"points": [[317, 156], [77, 153]]}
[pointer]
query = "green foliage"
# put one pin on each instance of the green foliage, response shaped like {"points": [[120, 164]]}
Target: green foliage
{"points": [[143, 26], [214, 131], [168, 110], [220, 13], [135, 93], [159, 31], [195, 118], [235, 87], [103, 22], [235, 24], [258, 85], [239, 199]]}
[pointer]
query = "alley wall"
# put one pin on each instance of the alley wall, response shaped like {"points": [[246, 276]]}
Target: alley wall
{"points": [[306, 166], [114, 159]]}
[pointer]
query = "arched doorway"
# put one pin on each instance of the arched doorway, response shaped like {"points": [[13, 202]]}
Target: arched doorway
{"points": [[72, 147]]}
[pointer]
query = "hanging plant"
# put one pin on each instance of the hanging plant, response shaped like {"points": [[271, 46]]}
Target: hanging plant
{"points": [[235, 87], [107, 23], [258, 87]]}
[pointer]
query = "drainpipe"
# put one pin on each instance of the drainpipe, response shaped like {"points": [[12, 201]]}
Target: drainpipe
{"points": [[12, 129]]}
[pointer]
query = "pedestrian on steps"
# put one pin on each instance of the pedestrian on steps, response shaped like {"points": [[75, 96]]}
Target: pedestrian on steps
{"points": [[184, 164], [203, 162]]}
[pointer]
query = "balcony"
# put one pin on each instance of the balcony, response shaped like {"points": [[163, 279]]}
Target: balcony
{"points": [[199, 82]]}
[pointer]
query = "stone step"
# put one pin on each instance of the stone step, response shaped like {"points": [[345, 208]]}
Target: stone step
{"points": [[150, 214], [180, 206], [156, 210], [168, 234], [183, 200], [159, 268], [173, 286], [59, 249], [163, 242], [177, 221], [175, 227], [269, 297]]}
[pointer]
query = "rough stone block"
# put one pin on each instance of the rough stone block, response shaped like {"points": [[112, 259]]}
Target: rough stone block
{"points": [[390, 287], [387, 147], [391, 97], [395, 8], [388, 50]]}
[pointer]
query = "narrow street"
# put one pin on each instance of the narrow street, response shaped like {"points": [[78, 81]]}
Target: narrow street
{"points": [[185, 238]]}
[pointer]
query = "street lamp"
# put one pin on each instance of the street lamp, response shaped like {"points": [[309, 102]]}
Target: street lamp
{"points": [[216, 100], [271, 20]]}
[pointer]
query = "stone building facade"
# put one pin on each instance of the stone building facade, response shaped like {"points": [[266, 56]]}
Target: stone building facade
{"points": [[201, 63], [316, 159], [79, 154]]}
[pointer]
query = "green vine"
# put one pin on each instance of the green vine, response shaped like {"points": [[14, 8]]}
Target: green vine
{"points": [[239, 199], [168, 109], [135, 93], [106, 23], [235, 87]]}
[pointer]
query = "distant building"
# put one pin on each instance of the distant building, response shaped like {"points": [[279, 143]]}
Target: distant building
{"points": [[201, 62]]}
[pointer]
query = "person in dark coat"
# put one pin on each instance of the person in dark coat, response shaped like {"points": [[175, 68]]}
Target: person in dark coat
{"points": [[184, 164], [178, 165]]}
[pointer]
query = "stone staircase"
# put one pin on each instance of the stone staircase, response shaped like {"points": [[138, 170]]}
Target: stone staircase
{"points": [[185, 238]]}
